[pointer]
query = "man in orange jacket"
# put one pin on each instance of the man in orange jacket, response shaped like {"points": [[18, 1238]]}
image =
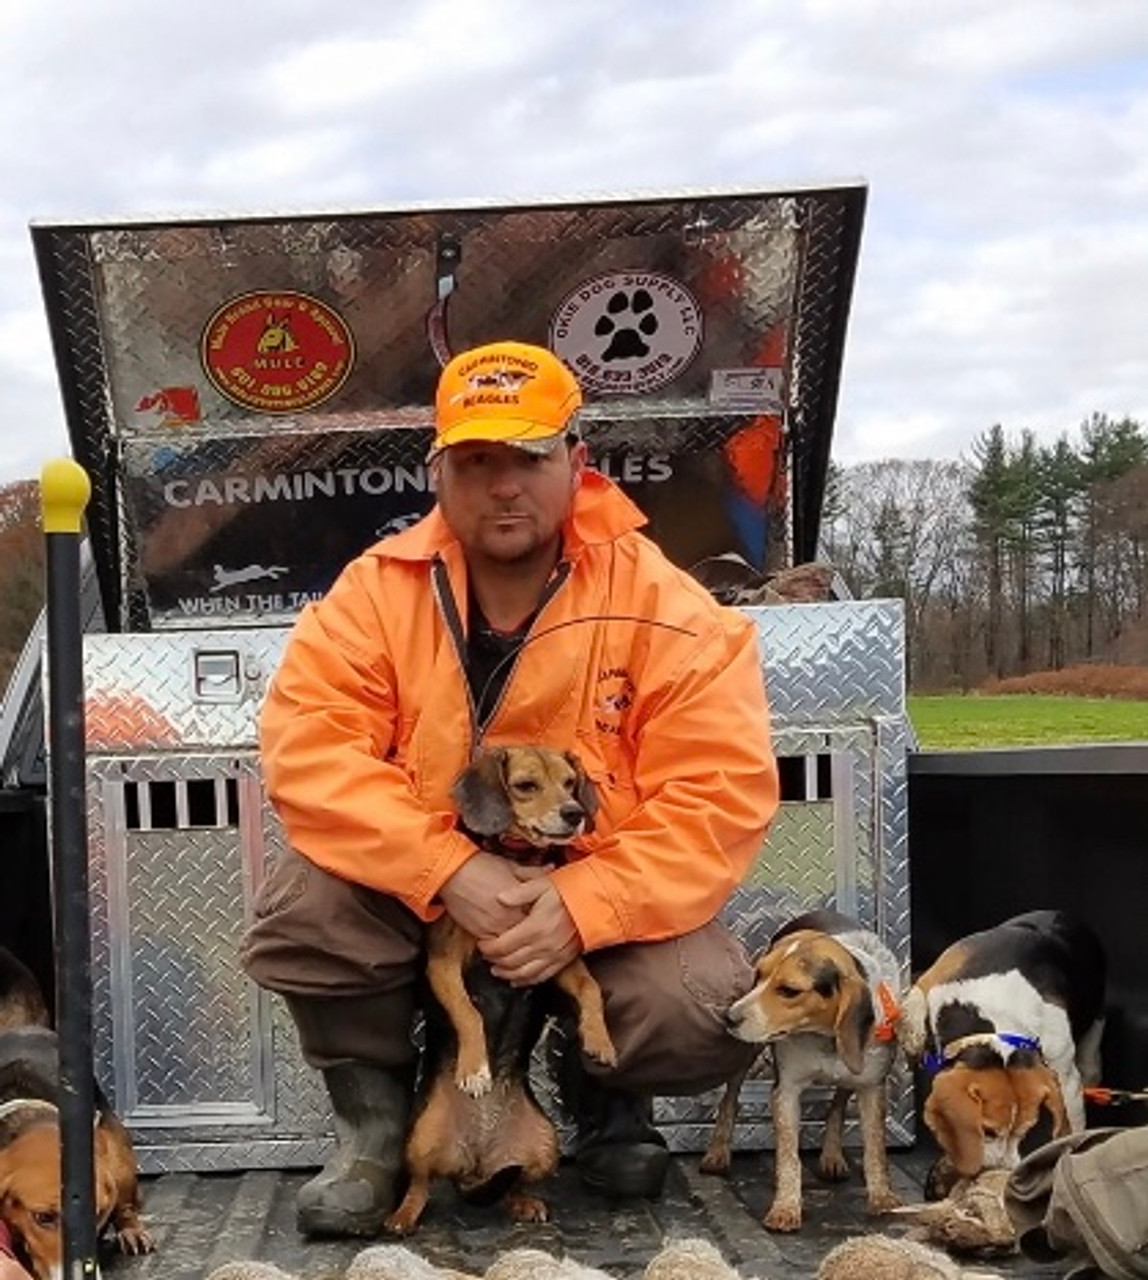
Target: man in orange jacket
{"points": [[525, 608]]}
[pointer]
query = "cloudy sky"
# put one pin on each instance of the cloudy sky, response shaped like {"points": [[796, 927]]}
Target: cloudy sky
{"points": [[1004, 263]]}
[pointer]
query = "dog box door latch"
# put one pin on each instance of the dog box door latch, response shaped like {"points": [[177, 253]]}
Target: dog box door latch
{"points": [[217, 675]]}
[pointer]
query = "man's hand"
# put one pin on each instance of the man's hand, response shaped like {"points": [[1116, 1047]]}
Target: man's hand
{"points": [[541, 944], [473, 895]]}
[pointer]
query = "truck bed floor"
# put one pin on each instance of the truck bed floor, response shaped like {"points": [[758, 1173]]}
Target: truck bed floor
{"points": [[203, 1220]]}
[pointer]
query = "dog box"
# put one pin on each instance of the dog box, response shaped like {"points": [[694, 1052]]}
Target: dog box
{"points": [[251, 398], [204, 1066]]}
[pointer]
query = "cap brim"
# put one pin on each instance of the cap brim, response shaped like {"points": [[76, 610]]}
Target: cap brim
{"points": [[532, 437]]}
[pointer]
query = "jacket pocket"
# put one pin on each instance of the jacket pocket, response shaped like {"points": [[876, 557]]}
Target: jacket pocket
{"points": [[715, 967]]}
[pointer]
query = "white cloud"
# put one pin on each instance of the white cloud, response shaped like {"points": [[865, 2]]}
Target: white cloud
{"points": [[273, 163], [1004, 261], [1055, 300], [339, 75]]}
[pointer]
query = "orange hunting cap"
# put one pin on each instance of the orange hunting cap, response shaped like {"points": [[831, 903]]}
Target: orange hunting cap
{"points": [[506, 392]]}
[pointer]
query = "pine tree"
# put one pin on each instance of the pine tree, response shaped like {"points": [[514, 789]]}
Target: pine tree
{"points": [[1061, 486], [1111, 448], [988, 495]]}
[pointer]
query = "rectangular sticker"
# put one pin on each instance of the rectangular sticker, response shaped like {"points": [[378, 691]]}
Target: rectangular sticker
{"points": [[756, 390]]}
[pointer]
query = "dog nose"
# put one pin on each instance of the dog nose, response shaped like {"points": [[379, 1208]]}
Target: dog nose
{"points": [[572, 814]]}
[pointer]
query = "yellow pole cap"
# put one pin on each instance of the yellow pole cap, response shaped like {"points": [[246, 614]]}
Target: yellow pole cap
{"points": [[64, 493]]}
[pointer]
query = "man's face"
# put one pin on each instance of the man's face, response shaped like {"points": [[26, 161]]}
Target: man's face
{"points": [[504, 504]]}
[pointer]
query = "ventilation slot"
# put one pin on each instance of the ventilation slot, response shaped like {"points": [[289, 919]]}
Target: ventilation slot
{"points": [[806, 777], [181, 804]]}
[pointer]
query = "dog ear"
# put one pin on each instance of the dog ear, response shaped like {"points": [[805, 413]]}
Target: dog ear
{"points": [[953, 1113], [766, 963], [1035, 1087], [107, 1192], [106, 1184], [584, 791], [479, 793], [854, 1022]]}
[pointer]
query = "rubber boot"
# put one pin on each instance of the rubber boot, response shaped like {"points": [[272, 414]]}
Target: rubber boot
{"points": [[358, 1186], [617, 1150]]}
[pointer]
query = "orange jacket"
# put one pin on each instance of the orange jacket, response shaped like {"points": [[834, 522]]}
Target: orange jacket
{"points": [[368, 721]]}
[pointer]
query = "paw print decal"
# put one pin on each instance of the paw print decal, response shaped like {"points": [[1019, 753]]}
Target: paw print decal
{"points": [[627, 332], [627, 321]]}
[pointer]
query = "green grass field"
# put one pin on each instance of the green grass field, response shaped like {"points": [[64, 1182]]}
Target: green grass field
{"points": [[1016, 720]]}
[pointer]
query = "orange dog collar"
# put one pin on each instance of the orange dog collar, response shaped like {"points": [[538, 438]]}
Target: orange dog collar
{"points": [[886, 1029]]}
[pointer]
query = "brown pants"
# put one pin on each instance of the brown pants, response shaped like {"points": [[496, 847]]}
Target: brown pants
{"points": [[348, 962]]}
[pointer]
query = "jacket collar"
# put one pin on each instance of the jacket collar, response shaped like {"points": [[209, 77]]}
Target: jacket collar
{"points": [[600, 513]]}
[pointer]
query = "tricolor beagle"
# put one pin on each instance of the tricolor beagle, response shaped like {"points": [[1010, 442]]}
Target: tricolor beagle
{"points": [[30, 1190], [826, 999], [477, 1121], [1008, 1021]]}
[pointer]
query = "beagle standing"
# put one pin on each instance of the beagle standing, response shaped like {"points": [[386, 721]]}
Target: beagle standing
{"points": [[477, 1121], [1009, 1021], [826, 999]]}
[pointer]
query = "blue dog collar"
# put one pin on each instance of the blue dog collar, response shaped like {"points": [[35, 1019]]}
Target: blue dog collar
{"points": [[1015, 1041], [934, 1062]]}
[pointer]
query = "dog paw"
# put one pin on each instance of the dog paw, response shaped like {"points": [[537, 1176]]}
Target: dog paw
{"points": [[833, 1168], [601, 1050], [783, 1217], [878, 1202], [134, 1240], [716, 1162], [523, 1208], [400, 1223], [476, 1084]]}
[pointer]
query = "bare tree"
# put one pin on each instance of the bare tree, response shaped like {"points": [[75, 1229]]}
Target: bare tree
{"points": [[21, 568], [1020, 557], [899, 528]]}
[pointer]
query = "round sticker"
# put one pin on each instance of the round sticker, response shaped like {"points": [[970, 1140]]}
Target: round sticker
{"points": [[278, 352], [627, 332]]}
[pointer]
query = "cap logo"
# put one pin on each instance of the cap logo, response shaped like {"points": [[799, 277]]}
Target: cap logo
{"points": [[494, 386], [500, 358], [508, 379]]}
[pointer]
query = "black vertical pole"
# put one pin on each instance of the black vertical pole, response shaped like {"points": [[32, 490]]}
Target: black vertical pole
{"points": [[64, 493]]}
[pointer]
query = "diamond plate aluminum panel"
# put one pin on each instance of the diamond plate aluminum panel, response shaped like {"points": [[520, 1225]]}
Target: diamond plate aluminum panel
{"points": [[206, 1067], [834, 663], [177, 691], [727, 309], [202, 1065]]}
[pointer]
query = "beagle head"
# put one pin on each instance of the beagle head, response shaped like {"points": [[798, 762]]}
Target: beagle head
{"points": [[980, 1114], [533, 795], [807, 981], [30, 1194]]}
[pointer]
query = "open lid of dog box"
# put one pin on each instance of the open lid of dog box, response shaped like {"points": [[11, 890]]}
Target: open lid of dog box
{"points": [[251, 395]]}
